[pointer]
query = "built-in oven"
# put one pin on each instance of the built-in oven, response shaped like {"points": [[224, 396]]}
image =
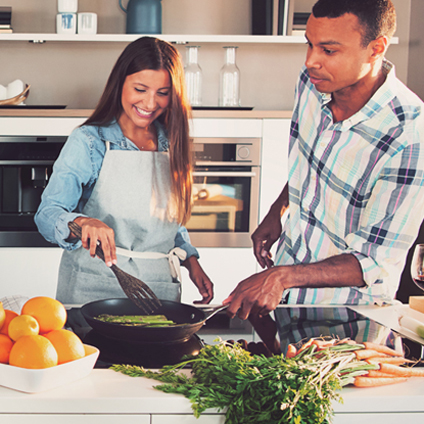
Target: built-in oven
{"points": [[226, 187], [226, 191], [26, 164]]}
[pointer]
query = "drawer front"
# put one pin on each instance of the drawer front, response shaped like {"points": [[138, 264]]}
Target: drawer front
{"points": [[188, 419], [392, 418], [74, 419]]}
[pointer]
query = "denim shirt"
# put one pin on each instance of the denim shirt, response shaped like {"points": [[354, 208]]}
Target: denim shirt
{"points": [[74, 176]]}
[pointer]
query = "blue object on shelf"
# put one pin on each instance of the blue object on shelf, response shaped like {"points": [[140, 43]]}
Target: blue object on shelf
{"points": [[143, 16]]}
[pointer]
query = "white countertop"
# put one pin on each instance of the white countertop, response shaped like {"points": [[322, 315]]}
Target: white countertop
{"points": [[110, 392], [105, 391]]}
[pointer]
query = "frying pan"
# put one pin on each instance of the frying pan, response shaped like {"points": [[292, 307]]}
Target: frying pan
{"points": [[189, 319]]}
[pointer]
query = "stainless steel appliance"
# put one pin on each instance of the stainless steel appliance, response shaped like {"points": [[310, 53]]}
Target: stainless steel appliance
{"points": [[226, 191], [226, 183], [25, 167]]}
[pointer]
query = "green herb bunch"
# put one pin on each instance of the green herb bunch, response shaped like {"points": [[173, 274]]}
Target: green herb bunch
{"points": [[257, 389]]}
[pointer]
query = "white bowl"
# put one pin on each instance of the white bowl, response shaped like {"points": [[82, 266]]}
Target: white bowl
{"points": [[33, 381]]}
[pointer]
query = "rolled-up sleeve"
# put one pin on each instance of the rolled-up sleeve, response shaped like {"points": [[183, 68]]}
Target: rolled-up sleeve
{"points": [[389, 224], [182, 240], [65, 194]]}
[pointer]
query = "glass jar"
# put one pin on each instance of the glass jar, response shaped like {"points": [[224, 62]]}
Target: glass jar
{"points": [[193, 76], [229, 80]]}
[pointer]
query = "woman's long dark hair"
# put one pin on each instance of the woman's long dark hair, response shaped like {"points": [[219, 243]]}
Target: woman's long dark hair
{"points": [[152, 53]]}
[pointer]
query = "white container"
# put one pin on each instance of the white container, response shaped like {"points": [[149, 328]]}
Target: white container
{"points": [[34, 381], [87, 23], [14, 88], [66, 23], [67, 6], [193, 76], [229, 80]]}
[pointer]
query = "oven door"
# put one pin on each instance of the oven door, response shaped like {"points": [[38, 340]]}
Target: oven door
{"points": [[225, 209]]}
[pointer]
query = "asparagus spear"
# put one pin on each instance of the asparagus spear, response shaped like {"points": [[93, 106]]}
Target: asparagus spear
{"points": [[143, 320]]}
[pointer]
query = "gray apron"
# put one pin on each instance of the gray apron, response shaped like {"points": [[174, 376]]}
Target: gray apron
{"points": [[132, 196]]}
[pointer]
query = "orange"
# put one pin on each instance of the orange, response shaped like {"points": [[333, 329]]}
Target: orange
{"points": [[2, 315], [49, 312], [23, 325], [9, 316], [34, 352], [67, 344], [5, 346]]}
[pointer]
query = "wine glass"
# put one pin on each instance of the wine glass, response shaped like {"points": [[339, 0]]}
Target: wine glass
{"points": [[417, 266]]}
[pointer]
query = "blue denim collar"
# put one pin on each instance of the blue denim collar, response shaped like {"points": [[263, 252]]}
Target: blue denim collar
{"points": [[114, 135]]}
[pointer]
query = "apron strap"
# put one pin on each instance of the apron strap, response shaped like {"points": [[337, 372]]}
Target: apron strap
{"points": [[174, 257], [107, 145]]}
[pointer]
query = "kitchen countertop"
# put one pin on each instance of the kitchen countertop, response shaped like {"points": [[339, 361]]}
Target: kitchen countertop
{"points": [[107, 392], [72, 113]]}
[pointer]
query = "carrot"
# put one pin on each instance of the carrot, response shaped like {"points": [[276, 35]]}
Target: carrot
{"points": [[377, 373], [362, 354], [306, 345], [402, 371], [323, 344], [382, 349], [291, 351], [377, 381], [388, 360]]}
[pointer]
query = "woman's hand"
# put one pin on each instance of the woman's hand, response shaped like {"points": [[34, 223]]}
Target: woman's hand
{"points": [[94, 231], [200, 279]]}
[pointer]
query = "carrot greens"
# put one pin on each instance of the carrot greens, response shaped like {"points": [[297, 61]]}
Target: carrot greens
{"points": [[254, 388]]}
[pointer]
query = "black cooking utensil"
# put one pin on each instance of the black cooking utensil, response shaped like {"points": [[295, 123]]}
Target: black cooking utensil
{"points": [[137, 291], [189, 319]]}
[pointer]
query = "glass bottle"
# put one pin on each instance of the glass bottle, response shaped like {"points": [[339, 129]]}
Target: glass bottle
{"points": [[193, 76], [229, 80]]}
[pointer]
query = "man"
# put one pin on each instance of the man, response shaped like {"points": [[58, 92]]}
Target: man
{"points": [[354, 197]]}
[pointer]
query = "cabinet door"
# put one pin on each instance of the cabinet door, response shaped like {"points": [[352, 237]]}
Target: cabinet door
{"points": [[74, 419], [188, 419], [390, 418]]}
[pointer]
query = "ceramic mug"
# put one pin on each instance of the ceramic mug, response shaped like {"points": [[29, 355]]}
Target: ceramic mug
{"points": [[87, 23], [67, 6], [66, 23]]}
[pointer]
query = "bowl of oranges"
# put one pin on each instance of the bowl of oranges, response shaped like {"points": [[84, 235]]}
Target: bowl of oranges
{"points": [[36, 352]]}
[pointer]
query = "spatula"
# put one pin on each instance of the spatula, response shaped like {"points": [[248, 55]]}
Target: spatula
{"points": [[136, 290]]}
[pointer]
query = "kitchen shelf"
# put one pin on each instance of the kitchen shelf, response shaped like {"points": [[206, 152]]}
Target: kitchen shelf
{"points": [[173, 38], [177, 38]]}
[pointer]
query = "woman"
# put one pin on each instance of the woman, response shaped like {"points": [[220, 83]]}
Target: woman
{"points": [[125, 177]]}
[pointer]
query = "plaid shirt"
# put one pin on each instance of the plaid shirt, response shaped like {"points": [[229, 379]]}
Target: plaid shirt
{"points": [[355, 186]]}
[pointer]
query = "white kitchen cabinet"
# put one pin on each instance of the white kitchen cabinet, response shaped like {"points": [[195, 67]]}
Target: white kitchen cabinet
{"points": [[188, 419], [29, 271], [389, 418], [76, 419], [226, 267], [274, 169]]}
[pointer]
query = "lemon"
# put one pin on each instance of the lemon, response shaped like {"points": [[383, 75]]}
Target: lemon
{"points": [[2, 315], [23, 325]]}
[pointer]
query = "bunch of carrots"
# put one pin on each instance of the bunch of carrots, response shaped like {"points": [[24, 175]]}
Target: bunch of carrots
{"points": [[382, 365]]}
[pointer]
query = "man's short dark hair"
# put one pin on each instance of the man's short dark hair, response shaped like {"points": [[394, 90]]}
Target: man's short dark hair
{"points": [[376, 17]]}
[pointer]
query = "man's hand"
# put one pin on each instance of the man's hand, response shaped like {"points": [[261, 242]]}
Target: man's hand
{"points": [[259, 294], [94, 231], [270, 230], [264, 237]]}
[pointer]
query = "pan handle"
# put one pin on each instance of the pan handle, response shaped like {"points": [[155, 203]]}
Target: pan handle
{"points": [[213, 311]]}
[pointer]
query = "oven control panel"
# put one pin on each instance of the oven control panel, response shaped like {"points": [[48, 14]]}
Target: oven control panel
{"points": [[227, 151]]}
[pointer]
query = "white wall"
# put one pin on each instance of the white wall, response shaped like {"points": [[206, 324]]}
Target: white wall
{"points": [[74, 73]]}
